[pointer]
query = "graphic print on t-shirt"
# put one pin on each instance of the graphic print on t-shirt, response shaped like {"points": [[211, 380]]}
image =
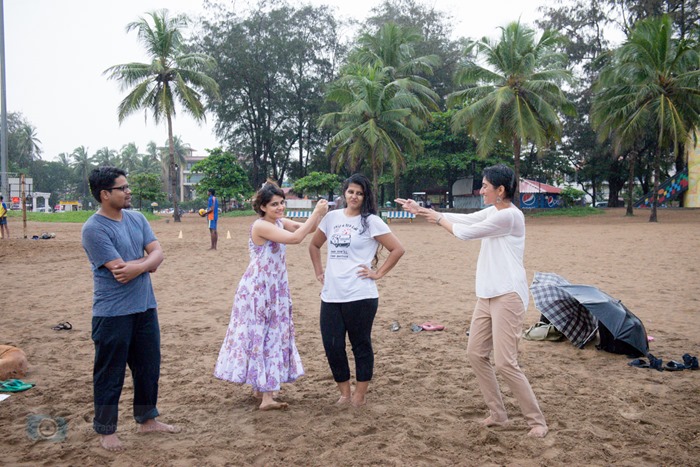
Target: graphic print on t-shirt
{"points": [[340, 240]]}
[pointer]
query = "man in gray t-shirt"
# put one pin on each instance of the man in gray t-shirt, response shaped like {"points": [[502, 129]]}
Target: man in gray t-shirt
{"points": [[125, 326]]}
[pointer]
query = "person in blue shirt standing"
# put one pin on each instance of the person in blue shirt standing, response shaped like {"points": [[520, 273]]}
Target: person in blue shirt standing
{"points": [[212, 216], [125, 327], [4, 229]]}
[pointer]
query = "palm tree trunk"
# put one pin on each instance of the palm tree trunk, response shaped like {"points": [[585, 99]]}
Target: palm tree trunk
{"points": [[657, 175], [516, 164], [630, 184], [171, 163]]}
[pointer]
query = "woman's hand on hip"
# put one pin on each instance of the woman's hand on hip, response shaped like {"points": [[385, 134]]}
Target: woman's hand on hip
{"points": [[367, 273]]}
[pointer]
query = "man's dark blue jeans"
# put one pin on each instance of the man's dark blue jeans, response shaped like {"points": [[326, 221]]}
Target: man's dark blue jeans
{"points": [[132, 340]]}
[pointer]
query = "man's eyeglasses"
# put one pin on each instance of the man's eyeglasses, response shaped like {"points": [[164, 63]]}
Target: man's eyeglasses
{"points": [[123, 188]]}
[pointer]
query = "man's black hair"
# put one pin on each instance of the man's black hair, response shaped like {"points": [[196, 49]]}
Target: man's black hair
{"points": [[103, 178]]}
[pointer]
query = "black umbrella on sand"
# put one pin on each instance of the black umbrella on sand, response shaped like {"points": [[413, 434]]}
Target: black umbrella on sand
{"points": [[622, 324], [566, 313]]}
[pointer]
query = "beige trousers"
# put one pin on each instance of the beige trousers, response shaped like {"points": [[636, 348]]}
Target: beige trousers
{"points": [[496, 326]]}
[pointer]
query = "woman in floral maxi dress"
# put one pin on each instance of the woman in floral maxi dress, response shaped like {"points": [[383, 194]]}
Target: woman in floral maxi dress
{"points": [[259, 347]]}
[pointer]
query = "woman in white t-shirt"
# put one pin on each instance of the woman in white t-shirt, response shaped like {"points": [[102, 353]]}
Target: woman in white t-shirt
{"points": [[502, 294], [349, 298]]}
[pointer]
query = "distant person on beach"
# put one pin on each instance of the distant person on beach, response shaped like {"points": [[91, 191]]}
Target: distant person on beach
{"points": [[259, 348], [502, 294], [349, 298], [212, 214], [125, 326], [4, 229]]}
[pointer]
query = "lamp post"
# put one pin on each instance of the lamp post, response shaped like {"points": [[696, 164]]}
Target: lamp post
{"points": [[3, 106]]}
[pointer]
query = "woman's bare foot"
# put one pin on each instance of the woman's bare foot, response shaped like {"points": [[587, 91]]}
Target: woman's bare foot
{"points": [[490, 421], [344, 400], [153, 425], [259, 394], [538, 432], [358, 401], [111, 442], [274, 405], [269, 403]]}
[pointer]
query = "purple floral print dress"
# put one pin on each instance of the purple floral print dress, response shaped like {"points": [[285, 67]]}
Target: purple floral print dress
{"points": [[259, 347]]}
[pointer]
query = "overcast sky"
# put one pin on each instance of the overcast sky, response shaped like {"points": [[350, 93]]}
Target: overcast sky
{"points": [[56, 52]]}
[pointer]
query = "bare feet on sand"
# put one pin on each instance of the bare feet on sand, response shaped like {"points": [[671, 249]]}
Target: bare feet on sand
{"points": [[111, 443], [538, 432], [274, 405], [490, 421], [358, 401], [153, 425], [344, 400]]}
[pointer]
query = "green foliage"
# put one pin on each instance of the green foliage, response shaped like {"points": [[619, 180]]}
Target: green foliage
{"points": [[146, 187], [274, 64], [223, 173], [570, 196], [317, 183]]}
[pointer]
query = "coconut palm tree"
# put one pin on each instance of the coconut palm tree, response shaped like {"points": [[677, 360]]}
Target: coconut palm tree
{"points": [[174, 76], [83, 164], [392, 47], [515, 96], [146, 164], [129, 156], [377, 120], [106, 156], [651, 85]]}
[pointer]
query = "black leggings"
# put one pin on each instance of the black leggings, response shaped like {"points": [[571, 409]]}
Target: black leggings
{"points": [[355, 319]]}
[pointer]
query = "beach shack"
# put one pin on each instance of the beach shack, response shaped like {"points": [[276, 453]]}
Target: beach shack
{"points": [[538, 195], [65, 206]]}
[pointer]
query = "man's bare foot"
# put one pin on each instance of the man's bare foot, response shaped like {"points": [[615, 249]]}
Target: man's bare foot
{"points": [[489, 421], [274, 405], [153, 425], [344, 400], [538, 432], [111, 443]]}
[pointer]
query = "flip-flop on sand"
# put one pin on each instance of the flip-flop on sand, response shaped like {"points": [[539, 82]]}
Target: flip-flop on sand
{"points": [[639, 363], [65, 326], [690, 362], [674, 366], [416, 328], [430, 326], [15, 385]]}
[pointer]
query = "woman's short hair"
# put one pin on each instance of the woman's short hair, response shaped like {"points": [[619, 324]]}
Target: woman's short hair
{"points": [[501, 175], [265, 195]]}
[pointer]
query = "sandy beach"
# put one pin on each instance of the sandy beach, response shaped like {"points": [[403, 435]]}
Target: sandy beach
{"points": [[423, 406]]}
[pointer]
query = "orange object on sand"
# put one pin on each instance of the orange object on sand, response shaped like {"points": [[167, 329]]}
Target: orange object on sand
{"points": [[13, 363]]}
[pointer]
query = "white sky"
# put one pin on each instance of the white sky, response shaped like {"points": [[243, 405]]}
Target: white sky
{"points": [[56, 52]]}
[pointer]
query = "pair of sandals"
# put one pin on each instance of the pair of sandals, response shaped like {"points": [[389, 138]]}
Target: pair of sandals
{"points": [[690, 362]]}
